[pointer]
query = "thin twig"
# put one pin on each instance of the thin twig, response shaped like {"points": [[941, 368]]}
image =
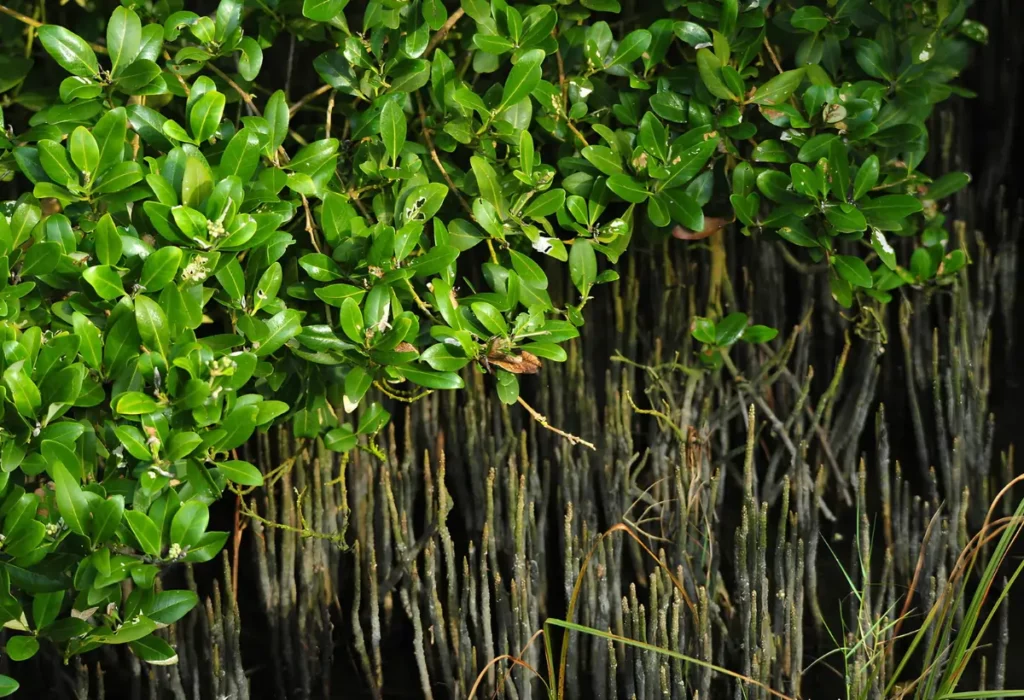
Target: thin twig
{"points": [[310, 227], [441, 33], [537, 416], [771, 52], [434, 157], [246, 97], [308, 97], [24, 19], [330, 114]]}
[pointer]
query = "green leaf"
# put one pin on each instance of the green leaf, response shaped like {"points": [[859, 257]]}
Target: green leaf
{"points": [[71, 500], [341, 439], [118, 178], [105, 280], [238, 426], [797, 234], [90, 340], [545, 204], [853, 270], [23, 391], [41, 259], [108, 241], [209, 545], [434, 13], [528, 270], [890, 208], [153, 327], [522, 79], [107, 518], [85, 152], [135, 403], [759, 334], [487, 182], [124, 38], [8, 686], [160, 268], [277, 118], [948, 184], [583, 265], [139, 76], [46, 607], [352, 320], [54, 160], [603, 158], [322, 10], [145, 531], [691, 162], [432, 380], [631, 47], [493, 43], [240, 472], [729, 329], [409, 75], [393, 128], [778, 89], [839, 170], [710, 69], [154, 650], [170, 606], [71, 51], [22, 648], [241, 156], [627, 187], [683, 208], [870, 57], [703, 330], [250, 59], [490, 317], [846, 218], [882, 248], [867, 177], [816, 148], [337, 294], [206, 115]]}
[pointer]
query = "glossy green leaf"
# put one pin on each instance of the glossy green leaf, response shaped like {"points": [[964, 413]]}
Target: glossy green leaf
{"points": [[206, 115], [853, 270], [393, 127], [241, 472], [778, 89], [105, 281], [145, 531], [71, 501], [522, 79], [71, 51], [124, 38]]}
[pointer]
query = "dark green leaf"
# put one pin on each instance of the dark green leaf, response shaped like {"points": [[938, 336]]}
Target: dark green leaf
{"points": [[853, 270], [778, 89]]}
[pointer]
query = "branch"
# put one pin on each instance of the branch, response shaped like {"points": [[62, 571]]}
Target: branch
{"points": [[246, 97], [441, 33], [537, 416]]}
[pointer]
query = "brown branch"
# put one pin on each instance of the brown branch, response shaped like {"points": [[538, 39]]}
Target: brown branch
{"points": [[771, 52], [246, 97], [434, 157], [441, 33], [308, 97], [310, 227], [540, 418]]}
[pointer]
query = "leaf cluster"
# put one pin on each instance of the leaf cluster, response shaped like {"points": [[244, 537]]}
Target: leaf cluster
{"points": [[196, 256]]}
